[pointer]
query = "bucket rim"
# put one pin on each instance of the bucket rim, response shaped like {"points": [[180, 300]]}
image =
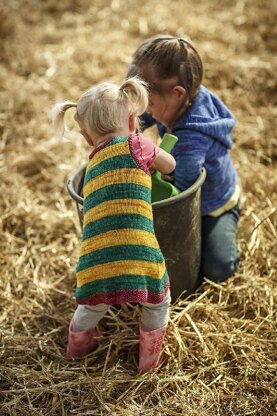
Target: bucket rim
{"points": [[182, 195], [169, 201]]}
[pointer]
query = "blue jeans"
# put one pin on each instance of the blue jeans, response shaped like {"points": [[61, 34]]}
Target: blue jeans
{"points": [[219, 247]]}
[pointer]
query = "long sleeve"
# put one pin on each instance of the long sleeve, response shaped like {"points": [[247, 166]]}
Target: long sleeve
{"points": [[190, 155]]}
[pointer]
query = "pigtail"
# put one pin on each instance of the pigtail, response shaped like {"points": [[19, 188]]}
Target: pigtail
{"points": [[57, 115], [136, 91]]}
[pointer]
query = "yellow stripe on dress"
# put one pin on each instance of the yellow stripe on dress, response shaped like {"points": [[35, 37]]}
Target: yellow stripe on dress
{"points": [[117, 207], [117, 176], [119, 237], [117, 149], [118, 268]]}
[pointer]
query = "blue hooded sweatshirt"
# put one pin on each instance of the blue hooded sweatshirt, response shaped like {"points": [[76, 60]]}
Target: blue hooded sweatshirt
{"points": [[204, 140]]}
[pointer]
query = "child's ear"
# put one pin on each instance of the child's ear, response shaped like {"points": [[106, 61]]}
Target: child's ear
{"points": [[180, 91], [132, 122]]}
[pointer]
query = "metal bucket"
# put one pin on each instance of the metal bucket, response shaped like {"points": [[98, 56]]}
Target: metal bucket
{"points": [[177, 223]]}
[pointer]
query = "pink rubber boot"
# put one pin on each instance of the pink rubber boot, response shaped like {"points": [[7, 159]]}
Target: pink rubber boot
{"points": [[81, 343], [150, 347]]}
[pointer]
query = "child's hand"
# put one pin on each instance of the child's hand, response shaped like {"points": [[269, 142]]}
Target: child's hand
{"points": [[164, 162]]}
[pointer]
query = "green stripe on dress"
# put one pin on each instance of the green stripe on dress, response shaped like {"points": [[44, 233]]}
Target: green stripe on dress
{"points": [[123, 282], [120, 253], [117, 191], [116, 140], [113, 163], [115, 222]]}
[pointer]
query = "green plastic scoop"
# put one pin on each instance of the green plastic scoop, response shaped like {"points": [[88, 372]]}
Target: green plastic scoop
{"points": [[162, 189]]}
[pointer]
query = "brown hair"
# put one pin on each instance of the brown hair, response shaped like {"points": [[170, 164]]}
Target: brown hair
{"points": [[168, 56]]}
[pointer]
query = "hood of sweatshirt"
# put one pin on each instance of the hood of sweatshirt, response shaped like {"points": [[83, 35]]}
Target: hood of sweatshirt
{"points": [[209, 116]]}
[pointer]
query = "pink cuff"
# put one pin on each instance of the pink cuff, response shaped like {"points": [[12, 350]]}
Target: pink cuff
{"points": [[143, 150]]}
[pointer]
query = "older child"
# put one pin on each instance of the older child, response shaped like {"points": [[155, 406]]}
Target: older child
{"points": [[120, 259], [179, 104]]}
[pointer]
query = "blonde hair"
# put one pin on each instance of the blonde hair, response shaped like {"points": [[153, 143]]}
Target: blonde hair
{"points": [[104, 108]]}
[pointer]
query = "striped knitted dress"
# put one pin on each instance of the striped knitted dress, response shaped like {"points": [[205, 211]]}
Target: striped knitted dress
{"points": [[120, 259]]}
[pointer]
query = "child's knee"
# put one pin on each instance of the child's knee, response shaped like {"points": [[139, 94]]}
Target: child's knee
{"points": [[155, 315], [219, 271]]}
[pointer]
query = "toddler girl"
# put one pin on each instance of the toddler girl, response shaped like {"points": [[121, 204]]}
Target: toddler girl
{"points": [[120, 259], [179, 104]]}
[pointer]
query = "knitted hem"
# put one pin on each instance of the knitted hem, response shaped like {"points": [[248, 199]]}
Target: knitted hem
{"points": [[125, 296]]}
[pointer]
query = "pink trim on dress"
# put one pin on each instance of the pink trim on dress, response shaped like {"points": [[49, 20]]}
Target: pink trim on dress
{"points": [[143, 151], [120, 297]]}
